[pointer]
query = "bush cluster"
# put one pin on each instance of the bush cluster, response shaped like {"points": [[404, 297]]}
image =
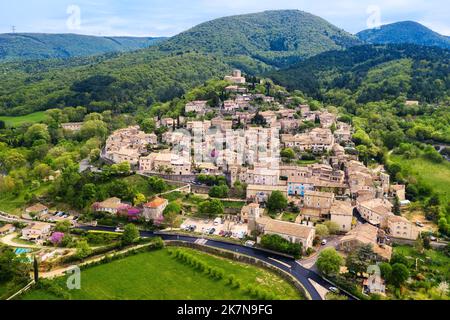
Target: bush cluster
{"points": [[219, 274]]}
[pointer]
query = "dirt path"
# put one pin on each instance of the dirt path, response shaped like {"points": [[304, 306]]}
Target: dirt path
{"points": [[9, 241], [60, 272]]}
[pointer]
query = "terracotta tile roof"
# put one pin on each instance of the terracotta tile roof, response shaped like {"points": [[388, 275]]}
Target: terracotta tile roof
{"points": [[36, 208], [6, 227], [157, 202], [286, 228]]}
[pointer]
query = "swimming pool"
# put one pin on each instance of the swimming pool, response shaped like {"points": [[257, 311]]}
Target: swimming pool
{"points": [[19, 251]]}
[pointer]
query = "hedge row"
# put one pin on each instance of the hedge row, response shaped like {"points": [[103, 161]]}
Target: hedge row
{"points": [[156, 244], [219, 274]]}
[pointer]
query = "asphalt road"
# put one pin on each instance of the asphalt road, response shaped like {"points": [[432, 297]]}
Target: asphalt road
{"points": [[287, 264]]}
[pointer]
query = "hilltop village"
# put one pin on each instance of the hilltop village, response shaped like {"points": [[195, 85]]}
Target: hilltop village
{"points": [[242, 162], [243, 144]]}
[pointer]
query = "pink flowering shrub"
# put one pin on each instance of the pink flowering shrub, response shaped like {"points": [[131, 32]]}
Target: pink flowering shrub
{"points": [[56, 238]]}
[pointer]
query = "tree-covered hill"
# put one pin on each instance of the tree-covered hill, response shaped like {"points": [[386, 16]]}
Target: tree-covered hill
{"points": [[31, 46], [373, 73], [255, 43], [120, 83], [404, 32], [276, 38]]}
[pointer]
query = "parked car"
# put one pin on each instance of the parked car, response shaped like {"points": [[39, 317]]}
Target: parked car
{"points": [[118, 229], [419, 224], [334, 289], [222, 233], [241, 234], [250, 243], [193, 228], [432, 238], [324, 242], [212, 231]]}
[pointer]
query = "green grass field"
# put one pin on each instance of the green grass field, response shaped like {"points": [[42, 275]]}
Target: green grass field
{"points": [[436, 175], [158, 276], [233, 204], [31, 118], [289, 216]]}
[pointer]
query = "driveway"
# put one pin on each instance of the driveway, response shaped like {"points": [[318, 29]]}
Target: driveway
{"points": [[227, 225], [9, 241], [310, 262]]}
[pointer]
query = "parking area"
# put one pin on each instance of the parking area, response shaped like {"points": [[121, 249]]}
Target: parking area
{"points": [[227, 228]]}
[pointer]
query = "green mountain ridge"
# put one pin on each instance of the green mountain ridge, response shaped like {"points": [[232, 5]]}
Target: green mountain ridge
{"points": [[169, 69], [32, 46], [145, 76], [404, 32], [276, 38], [373, 73]]}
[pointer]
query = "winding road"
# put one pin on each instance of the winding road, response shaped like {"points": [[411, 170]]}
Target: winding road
{"points": [[289, 265]]}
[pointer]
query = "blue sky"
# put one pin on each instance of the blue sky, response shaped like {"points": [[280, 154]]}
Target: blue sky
{"points": [[169, 17]]}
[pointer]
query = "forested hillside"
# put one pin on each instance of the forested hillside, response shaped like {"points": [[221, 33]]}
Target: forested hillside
{"points": [[404, 32], [277, 38], [255, 43], [32, 46], [121, 84], [373, 73]]}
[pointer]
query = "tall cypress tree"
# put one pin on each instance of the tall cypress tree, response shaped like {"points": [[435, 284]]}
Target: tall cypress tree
{"points": [[36, 270]]}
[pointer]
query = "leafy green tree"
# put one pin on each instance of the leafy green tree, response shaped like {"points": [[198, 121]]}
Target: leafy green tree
{"points": [[398, 258], [130, 234], [399, 274], [332, 226], [211, 208], [63, 226], [287, 153], [170, 217], [36, 132], [426, 242], [83, 249], [173, 207], [386, 270], [148, 125], [396, 206], [139, 199], [57, 116], [94, 116], [219, 191], [88, 194], [157, 185], [277, 201], [278, 243], [322, 230], [329, 262], [93, 128], [12, 267], [359, 260]]}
